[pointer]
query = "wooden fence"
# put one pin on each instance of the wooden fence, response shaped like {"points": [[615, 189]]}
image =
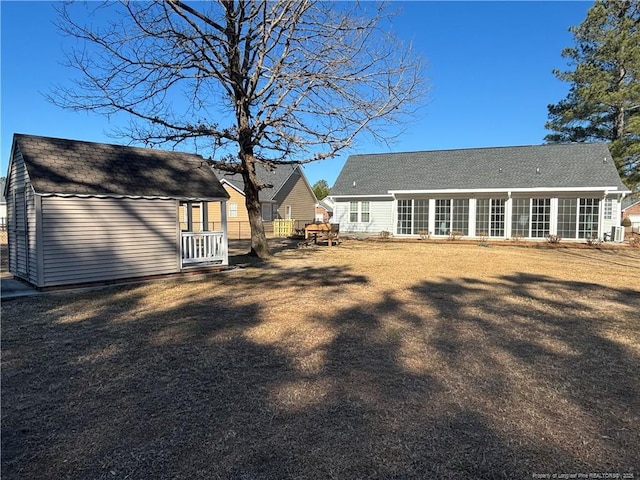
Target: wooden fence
{"points": [[283, 227]]}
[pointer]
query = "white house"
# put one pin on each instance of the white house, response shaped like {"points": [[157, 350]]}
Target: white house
{"points": [[570, 190]]}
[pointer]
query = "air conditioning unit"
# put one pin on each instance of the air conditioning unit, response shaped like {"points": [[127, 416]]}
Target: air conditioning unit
{"points": [[617, 234]]}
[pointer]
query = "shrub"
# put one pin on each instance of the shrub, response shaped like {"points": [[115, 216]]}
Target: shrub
{"points": [[626, 222], [516, 237], [553, 238], [385, 235], [594, 241], [424, 234], [454, 235]]}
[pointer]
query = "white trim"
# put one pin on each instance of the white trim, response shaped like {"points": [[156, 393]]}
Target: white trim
{"points": [[224, 181], [501, 190]]}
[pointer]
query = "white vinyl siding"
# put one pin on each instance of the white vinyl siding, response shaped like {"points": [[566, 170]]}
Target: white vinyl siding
{"points": [[380, 216], [96, 239], [18, 208]]}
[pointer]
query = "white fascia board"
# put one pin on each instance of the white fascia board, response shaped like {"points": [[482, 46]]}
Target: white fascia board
{"points": [[237, 189], [506, 190], [337, 198]]}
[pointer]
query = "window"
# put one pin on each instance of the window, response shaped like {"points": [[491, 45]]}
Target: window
{"points": [[540, 217], [490, 217], [267, 212], [567, 214], [520, 213], [353, 212], [405, 217], [233, 210], [496, 227], [413, 216], [359, 212], [608, 209], [364, 212], [421, 216], [588, 218], [443, 216], [287, 212], [482, 217], [460, 216]]}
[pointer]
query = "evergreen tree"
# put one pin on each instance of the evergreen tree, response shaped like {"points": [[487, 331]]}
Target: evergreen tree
{"points": [[603, 103], [321, 189]]}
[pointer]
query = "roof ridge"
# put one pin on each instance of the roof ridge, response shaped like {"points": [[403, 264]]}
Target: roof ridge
{"points": [[117, 145], [542, 145]]}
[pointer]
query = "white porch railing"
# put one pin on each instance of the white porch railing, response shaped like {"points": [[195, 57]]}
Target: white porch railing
{"points": [[203, 247]]}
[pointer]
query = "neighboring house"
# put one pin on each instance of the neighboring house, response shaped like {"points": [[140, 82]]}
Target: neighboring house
{"points": [[571, 190], [324, 210], [81, 212], [631, 209], [289, 197]]}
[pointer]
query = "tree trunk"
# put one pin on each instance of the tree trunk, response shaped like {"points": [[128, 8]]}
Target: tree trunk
{"points": [[259, 244]]}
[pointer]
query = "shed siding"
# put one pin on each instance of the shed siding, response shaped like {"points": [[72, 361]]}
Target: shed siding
{"points": [[16, 216], [296, 194], [32, 253], [380, 219], [98, 239]]}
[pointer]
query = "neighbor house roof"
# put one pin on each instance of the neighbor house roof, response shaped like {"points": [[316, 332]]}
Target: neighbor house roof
{"points": [[562, 166], [71, 167], [276, 177], [630, 201]]}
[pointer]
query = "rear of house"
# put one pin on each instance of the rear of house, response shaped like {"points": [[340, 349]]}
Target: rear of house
{"points": [[530, 192], [81, 212]]}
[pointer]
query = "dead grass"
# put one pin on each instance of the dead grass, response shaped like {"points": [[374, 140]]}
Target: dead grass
{"points": [[367, 360]]}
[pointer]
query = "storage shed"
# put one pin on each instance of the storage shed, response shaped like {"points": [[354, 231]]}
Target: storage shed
{"points": [[81, 212]]}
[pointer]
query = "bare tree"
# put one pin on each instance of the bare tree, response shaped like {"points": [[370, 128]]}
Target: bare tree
{"points": [[248, 82]]}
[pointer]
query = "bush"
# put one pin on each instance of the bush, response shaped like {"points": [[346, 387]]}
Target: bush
{"points": [[626, 222], [594, 241], [454, 235], [553, 238], [424, 234], [516, 237], [385, 235]]}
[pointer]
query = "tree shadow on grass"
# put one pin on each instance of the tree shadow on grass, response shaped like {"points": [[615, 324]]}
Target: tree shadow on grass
{"points": [[456, 378]]}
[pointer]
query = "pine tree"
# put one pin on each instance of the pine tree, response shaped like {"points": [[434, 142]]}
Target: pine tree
{"points": [[603, 103]]}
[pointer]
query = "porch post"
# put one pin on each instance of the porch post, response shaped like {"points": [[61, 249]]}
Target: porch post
{"points": [[205, 216], [189, 209], [225, 238]]}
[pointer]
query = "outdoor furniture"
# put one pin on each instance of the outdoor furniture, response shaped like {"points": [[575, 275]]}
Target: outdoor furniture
{"points": [[328, 232]]}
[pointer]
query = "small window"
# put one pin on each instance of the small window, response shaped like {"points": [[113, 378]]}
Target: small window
{"points": [[364, 212], [233, 210], [287, 212], [267, 212], [353, 212], [608, 209]]}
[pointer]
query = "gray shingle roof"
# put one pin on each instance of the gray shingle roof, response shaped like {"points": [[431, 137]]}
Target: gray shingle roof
{"points": [[275, 177], [542, 166], [630, 200], [72, 167]]}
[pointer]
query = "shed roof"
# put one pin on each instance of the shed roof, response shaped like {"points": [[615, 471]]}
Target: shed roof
{"points": [[563, 166], [71, 167]]}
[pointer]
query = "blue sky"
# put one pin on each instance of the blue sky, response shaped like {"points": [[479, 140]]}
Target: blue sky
{"points": [[490, 70]]}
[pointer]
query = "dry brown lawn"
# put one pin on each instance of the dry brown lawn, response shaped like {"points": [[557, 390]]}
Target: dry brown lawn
{"points": [[366, 360]]}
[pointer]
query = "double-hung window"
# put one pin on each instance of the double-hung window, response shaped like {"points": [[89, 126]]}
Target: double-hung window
{"points": [[359, 212]]}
